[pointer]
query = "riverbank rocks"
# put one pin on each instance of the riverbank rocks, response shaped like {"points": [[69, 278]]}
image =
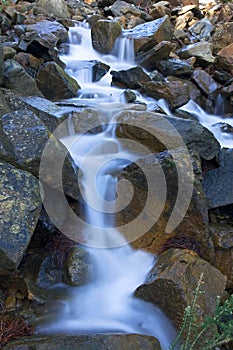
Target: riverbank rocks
{"points": [[87, 342], [23, 141], [171, 283], [103, 34], [203, 51], [20, 209], [222, 36], [16, 78], [217, 182], [55, 8], [128, 10], [55, 83]]}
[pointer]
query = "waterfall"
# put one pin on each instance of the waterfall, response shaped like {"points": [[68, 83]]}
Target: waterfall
{"points": [[107, 303]]}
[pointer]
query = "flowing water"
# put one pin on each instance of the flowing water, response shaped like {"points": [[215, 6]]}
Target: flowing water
{"points": [[107, 303]]}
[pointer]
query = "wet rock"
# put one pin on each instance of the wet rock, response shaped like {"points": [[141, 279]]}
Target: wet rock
{"points": [[149, 59], [175, 67], [150, 33], [16, 78], [98, 69], [87, 120], [152, 207], [175, 92], [23, 141], [103, 34], [217, 182], [55, 83], [1, 65], [202, 29], [121, 8], [20, 209], [202, 51], [205, 82], [87, 342], [77, 268], [222, 36], [222, 236], [173, 280], [56, 8], [195, 136], [129, 96], [41, 40], [225, 58], [132, 78]]}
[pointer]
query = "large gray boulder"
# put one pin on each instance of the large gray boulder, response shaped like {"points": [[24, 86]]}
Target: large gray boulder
{"points": [[20, 209], [16, 78], [203, 51], [56, 8]]}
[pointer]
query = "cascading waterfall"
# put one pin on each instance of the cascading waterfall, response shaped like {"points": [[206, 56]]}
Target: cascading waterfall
{"points": [[107, 303]]}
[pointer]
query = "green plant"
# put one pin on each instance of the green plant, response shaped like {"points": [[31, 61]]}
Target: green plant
{"points": [[214, 331]]}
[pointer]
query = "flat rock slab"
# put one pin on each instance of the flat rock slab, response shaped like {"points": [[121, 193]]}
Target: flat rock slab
{"points": [[86, 342]]}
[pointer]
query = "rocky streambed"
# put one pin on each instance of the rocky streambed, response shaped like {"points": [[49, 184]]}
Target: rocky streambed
{"points": [[183, 51]]}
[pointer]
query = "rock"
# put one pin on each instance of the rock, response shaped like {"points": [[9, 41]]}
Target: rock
{"points": [[41, 40], [222, 236], [103, 34], [1, 65], [225, 58], [4, 107], [175, 67], [205, 82], [195, 136], [87, 120], [150, 33], [132, 78], [173, 280], [175, 92], [153, 208], [56, 8], [16, 78], [129, 96], [55, 83], [217, 182], [149, 59], [202, 51], [121, 8], [86, 342], [98, 69], [77, 267], [183, 20], [24, 138], [160, 9], [202, 29], [29, 62], [222, 36], [8, 52], [20, 210]]}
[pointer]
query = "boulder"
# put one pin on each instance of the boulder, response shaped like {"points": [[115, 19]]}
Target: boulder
{"points": [[77, 267], [150, 33], [174, 91], [149, 59], [222, 236], [173, 66], [122, 8], [202, 29], [155, 131], [16, 78], [40, 40], [173, 280], [20, 210], [201, 50], [132, 78], [23, 141], [86, 342], [103, 34], [224, 58], [168, 203], [160, 9], [97, 69], [55, 83], [217, 182], [55, 8], [205, 82], [222, 36]]}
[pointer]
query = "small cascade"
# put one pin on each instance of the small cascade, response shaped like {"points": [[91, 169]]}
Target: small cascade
{"points": [[219, 105]]}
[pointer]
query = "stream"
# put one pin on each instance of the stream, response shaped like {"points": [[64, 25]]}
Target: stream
{"points": [[107, 303]]}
